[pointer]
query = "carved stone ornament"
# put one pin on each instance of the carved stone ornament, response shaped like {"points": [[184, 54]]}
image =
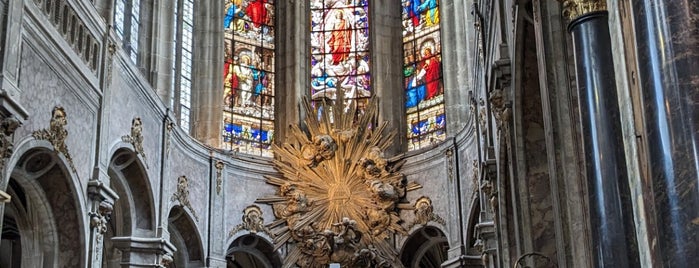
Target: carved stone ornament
{"points": [[136, 137], [182, 195], [8, 126], [169, 126], [166, 260], [57, 134], [99, 220], [252, 221], [500, 111], [339, 198], [573, 9], [424, 212], [219, 178]]}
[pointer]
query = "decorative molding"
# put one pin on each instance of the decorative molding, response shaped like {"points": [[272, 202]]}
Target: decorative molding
{"points": [[252, 221], [339, 199], [182, 195], [424, 213], [67, 22], [573, 9], [57, 134], [450, 163], [8, 126], [219, 177], [136, 138]]}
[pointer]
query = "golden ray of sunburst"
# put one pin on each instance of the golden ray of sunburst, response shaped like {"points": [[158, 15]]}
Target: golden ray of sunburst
{"points": [[316, 191]]}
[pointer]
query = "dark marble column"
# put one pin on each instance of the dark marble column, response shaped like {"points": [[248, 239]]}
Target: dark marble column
{"points": [[612, 230], [667, 38]]}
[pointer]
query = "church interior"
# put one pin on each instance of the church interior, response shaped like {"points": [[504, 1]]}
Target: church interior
{"points": [[349, 133]]}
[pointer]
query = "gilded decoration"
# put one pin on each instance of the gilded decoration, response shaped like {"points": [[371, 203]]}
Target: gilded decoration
{"points": [[8, 126], [339, 198], [252, 222], [136, 137], [57, 134], [182, 195], [573, 9]]}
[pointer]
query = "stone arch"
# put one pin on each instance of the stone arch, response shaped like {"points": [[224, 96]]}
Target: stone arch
{"points": [[426, 247], [46, 217], [133, 213], [251, 250], [185, 236]]}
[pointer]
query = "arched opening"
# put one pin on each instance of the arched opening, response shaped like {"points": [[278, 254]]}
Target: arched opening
{"points": [[425, 248], [185, 237], [42, 224], [252, 251], [132, 213]]}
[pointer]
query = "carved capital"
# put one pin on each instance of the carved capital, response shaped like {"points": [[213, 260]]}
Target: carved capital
{"points": [[99, 219], [8, 126], [573, 9]]}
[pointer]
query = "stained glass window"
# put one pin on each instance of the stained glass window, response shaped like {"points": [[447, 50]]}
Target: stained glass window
{"points": [[422, 73], [340, 52], [248, 72], [182, 65], [126, 25]]}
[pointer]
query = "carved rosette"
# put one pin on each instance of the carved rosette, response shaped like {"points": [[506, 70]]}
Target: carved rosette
{"points": [[252, 222], [338, 198], [136, 137], [182, 195], [57, 134], [573, 9]]}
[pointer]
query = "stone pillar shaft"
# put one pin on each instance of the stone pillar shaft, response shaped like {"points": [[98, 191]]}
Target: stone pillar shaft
{"points": [[668, 56], [602, 136]]}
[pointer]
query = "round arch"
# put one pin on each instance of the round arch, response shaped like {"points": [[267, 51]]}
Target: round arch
{"points": [[251, 250], [185, 236], [425, 248], [48, 194]]}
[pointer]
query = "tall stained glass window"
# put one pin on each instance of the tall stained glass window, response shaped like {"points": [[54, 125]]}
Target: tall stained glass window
{"points": [[422, 73], [340, 52], [248, 73], [126, 24], [182, 65]]}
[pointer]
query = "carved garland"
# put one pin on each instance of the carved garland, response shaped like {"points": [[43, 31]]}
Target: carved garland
{"points": [[57, 134], [219, 178], [339, 198]]}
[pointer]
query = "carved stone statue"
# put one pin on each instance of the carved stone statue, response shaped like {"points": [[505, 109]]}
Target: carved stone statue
{"points": [[7, 129]]}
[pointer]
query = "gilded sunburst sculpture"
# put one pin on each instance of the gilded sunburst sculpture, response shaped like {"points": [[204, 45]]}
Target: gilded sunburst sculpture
{"points": [[338, 197]]}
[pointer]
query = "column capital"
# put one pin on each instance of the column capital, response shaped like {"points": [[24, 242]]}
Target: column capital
{"points": [[573, 9]]}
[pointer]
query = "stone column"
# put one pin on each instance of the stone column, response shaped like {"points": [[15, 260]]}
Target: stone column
{"points": [[667, 46], [207, 78], [293, 60], [457, 35], [160, 41], [102, 200], [602, 136], [387, 68]]}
